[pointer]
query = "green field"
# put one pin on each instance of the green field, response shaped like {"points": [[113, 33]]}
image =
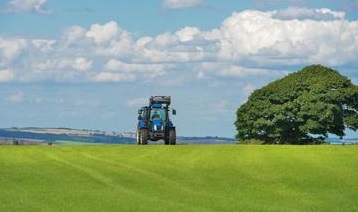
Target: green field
{"points": [[179, 178]]}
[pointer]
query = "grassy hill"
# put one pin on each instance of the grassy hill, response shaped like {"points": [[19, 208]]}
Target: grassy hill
{"points": [[178, 178]]}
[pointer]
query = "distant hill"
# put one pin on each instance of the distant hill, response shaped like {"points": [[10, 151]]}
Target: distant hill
{"points": [[34, 135], [53, 135]]}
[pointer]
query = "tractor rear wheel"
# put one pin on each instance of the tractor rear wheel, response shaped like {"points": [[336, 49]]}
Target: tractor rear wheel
{"points": [[172, 136]]}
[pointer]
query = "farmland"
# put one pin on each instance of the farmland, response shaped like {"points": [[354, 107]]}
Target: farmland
{"points": [[178, 178]]}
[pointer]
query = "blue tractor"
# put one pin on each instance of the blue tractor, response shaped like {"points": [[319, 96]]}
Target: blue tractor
{"points": [[154, 123]]}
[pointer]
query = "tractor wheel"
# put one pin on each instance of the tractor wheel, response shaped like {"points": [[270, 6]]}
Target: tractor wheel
{"points": [[137, 137], [172, 137], [143, 137], [166, 141]]}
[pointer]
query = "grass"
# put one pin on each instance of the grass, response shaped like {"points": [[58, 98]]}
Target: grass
{"points": [[179, 178], [76, 143]]}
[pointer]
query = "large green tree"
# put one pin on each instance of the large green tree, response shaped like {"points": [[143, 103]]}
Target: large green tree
{"points": [[303, 107]]}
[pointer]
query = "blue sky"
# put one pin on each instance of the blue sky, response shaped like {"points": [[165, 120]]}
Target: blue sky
{"points": [[92, 64]]}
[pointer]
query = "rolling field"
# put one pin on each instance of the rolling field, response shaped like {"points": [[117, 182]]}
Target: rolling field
{"points": [[179, 178]]}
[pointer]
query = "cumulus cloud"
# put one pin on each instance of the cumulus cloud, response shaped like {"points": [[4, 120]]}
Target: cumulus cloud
{"points": [[250, 43], [36, 6], [78, 63], [187, 34], [186, 45], [109, 38], [62, 69], [82, 64], [43, 45], [74, 34], [150, 70], [11, 48], [180, 4], [103, 33], [261, 38]]}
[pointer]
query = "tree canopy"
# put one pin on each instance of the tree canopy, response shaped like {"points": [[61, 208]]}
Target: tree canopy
{"points": [[301, 108]]}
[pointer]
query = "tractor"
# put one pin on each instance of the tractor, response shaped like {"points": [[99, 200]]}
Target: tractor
{"points": [[154, 123]]}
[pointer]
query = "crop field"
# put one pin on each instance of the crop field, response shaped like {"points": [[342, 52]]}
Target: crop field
{"points": [[179, 178]]}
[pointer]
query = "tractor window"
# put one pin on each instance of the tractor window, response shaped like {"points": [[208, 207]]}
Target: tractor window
{"points": [[157, 114]]}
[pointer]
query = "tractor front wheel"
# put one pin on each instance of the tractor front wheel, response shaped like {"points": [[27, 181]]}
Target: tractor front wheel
{"points": [[172, 136], [142, 137]]}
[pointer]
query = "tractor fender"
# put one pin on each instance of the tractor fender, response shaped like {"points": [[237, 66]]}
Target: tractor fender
{"points": [[170, 124], [142, 124]]}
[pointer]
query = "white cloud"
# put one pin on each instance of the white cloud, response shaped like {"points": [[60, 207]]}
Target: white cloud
{"points": [[150, 70], [11, 48], [78, 63], [36, 6], [44, 45], [113, 77], [109, 38], [259, 37], [6, 76], [187, 33], [74, 34], [186, 45], [165, 40], [143, 41], [248, 44], [59, 69], [122, 47], [103, 33], [82, 64], [179, 4]]}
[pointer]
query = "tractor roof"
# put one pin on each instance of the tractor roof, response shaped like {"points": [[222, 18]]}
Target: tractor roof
{"points": [[159, 100]]}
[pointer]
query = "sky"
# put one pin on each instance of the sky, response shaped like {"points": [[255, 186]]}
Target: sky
{"points": [[92, 64]]}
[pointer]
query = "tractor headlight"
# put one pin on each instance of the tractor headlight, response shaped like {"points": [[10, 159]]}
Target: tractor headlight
{"points": [[158, 127]]}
